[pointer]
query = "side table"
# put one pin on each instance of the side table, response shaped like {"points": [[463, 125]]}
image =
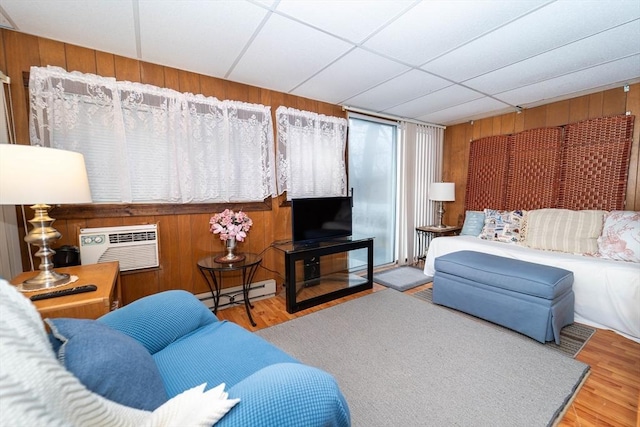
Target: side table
{"points": [[428, 232], [88, 305], [213, 272]]}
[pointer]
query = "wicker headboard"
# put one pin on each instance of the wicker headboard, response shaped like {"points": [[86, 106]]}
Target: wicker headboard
{"points": [[489, 159], [583, 165]]}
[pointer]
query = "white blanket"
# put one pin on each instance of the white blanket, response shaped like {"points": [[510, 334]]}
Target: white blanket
{"points": [[607, 292]]}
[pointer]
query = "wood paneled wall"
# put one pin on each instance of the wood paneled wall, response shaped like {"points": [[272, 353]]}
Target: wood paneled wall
{"points": [[608, 103], [183, 238]]}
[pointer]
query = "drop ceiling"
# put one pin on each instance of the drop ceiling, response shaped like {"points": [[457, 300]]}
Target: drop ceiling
{"points": [[436, 61]]}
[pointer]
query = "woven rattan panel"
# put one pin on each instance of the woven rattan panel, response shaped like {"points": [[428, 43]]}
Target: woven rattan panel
{"points": [[487, 174], [595, 163], [534, 169]]}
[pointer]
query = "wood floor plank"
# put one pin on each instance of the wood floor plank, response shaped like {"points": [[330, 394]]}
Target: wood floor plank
{"points": [[609, 397]]}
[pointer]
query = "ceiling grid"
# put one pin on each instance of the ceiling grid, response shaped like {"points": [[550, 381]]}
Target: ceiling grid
{"points": [[433, 61]]}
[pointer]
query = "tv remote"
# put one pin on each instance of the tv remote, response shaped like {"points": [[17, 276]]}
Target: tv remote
{"points": [[63, 292]]}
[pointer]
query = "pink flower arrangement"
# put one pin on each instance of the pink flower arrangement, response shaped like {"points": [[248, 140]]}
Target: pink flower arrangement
{"points": [[230, 224]]}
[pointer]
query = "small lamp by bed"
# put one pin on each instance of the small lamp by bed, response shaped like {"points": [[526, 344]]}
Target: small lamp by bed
{"points": [[441, 192]]}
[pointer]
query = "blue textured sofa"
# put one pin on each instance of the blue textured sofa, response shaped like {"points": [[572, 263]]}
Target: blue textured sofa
{"points": [[534, 299], [190, 346], [164, 360]]}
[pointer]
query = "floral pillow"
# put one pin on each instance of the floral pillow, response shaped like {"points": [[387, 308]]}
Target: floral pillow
{"points": [[502, 226], [620, 239]]}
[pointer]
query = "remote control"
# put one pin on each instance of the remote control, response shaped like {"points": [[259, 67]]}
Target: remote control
{"points": [[63, 292]]}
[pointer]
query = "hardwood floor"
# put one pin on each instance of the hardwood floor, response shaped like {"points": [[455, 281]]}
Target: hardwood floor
{"points": [[609, 397]]}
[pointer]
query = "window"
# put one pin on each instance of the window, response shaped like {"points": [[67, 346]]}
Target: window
{"points": [[311, 154], [391, 164], [372, 175], [145, 144]]}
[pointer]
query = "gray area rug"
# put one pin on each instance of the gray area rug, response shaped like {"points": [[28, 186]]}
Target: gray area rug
{"points": [[402, 278], [401, 362], [572, 337]]}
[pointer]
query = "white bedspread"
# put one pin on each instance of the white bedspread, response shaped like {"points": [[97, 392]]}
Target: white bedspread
{"points": [[607, 292]]}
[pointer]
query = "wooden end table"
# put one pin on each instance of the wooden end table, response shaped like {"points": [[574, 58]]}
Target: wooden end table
{"points": [[88, 305]]}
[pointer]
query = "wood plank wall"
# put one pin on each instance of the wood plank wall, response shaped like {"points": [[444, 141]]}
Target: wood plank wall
{"points": [[607, 103], [184, 238]]}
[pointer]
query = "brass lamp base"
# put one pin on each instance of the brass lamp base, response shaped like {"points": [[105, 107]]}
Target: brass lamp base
{"points": [[42, 235], [44, 280]]}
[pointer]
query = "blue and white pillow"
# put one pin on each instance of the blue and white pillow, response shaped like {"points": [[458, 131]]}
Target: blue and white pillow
{"points": [[503, 226], [473, 223]]}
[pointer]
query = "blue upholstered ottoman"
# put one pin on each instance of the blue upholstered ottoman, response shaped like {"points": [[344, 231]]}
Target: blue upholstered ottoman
{"points": [[533, 299]]}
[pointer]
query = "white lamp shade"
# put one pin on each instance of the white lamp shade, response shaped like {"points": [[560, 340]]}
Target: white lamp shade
{"points": [[32, 175], [442, 191]]}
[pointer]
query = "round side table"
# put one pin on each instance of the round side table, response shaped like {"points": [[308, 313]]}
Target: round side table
{"points": [[213, 273]]}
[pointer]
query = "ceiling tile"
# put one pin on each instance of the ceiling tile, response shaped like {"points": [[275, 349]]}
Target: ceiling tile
{"points": [[196, 37], [267, 3], [605, 47], [432, 28], [353, 20], [523, 37], [613, 73], [106, 25], [398, 90], [438, 100], [523, 50], [286, 53], [471, 110], [353, 73]]}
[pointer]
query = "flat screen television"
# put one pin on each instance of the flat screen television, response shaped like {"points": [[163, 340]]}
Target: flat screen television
{"points": [[322, 218]]}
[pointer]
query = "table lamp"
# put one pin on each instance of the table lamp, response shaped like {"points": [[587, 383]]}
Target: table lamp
{"points": [[39, 176], [442, 192]]}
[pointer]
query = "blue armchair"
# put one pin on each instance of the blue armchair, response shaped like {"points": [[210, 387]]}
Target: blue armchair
{"points": [[190, 346], [145, 365]]}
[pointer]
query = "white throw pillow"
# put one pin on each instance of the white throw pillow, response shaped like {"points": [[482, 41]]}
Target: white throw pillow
{"points": [[564, 230]]}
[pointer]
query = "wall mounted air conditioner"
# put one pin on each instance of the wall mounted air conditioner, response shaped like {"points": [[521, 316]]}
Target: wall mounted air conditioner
{"points": [[134, 246]]}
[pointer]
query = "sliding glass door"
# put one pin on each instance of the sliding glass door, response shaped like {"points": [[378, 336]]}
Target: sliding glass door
{"points": [[372, 176]]}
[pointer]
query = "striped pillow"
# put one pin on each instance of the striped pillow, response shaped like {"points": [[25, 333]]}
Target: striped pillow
{"points": [[564, 230]]}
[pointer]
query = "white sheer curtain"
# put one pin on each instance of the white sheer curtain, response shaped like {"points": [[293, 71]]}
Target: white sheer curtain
{"points": [[420, 164], [311, 154], [148, 144]]}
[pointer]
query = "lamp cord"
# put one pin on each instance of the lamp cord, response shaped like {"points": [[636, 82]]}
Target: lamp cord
{"points": [[24, 222]]}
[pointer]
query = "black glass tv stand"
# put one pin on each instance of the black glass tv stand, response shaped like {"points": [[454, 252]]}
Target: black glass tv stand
{"points": [[326, 270]]}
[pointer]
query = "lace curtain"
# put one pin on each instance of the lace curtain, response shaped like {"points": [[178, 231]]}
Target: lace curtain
{"points": [[148, 144], [311, 154]]}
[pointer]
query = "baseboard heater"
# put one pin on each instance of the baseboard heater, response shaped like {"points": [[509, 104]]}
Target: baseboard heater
{"points": [[230, 297]]}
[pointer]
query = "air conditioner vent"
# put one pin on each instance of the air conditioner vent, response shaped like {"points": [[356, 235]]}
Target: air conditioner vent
{"points": [[134, 247], [140, 236]]}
